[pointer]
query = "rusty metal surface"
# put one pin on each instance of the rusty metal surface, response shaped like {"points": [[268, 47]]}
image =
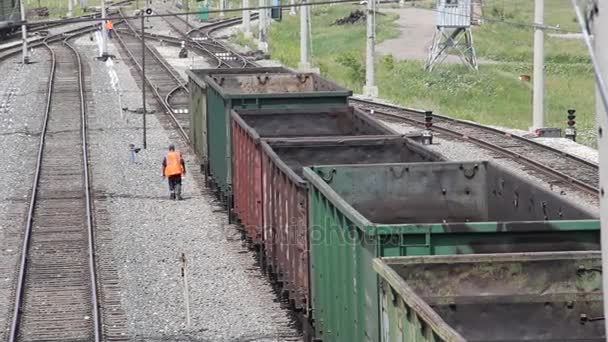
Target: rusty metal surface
{"points": [[509, 297], [450, 193], [333, 121]]}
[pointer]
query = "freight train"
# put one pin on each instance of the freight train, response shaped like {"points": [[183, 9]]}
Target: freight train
{"points": [[9, 17], [357, 223]]}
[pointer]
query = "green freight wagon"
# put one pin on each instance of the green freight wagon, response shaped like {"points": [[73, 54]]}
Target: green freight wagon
{"points": [[360, 212], [251, 89], [545, 296], [198, 102]]}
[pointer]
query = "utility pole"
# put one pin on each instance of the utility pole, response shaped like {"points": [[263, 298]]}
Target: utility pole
{"points": [[222, 6], [292, 9], [246, 19], [104, 30], [304, 63], [143, 76], [70, 9], [600, 30], [262, 44], [370, 89], [25, 57], [538, 97]]}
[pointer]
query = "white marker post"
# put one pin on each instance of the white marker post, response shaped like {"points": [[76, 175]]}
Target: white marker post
{"points": [[304, 63], [246, 19], [25, 57], [104, 31], [370, 88]]}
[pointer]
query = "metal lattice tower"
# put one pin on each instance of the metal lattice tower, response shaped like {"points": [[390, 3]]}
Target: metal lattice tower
{"points": [[452, 34]]}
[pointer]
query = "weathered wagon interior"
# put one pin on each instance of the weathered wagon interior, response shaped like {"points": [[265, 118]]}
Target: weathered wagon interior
{"points": [[336, 121], [356, 150], [502, 298], [447, 192], [259, 83]]}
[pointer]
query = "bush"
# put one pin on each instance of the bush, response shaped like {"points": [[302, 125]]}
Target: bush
{"points": [[352, 61]]}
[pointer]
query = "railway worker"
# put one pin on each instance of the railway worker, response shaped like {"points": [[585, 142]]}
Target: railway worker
{"points": [[109, 27], [173, 168]]}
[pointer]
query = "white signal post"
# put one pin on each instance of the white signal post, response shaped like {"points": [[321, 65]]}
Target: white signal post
{"points": [[246, 19], [538, 96], [292, 9], [370, 88], [262, 26], [104, 30], [24, 55], [304, 63], [70, 9]]}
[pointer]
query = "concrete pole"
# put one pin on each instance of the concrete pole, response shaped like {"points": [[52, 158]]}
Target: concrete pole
{"points": [[25, 57], [304, 63], [538, 97], [370, 89], [246, 19], [104, 31], [262, 44], [222, 6], [292, 9], [601, 50], [70, 9]]}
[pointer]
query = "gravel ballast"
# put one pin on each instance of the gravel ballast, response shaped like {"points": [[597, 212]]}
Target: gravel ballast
{"points": [[23, 93], [229, 298]]}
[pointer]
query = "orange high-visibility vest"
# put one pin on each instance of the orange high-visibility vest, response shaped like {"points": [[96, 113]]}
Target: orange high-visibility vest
{"points": [[109, 25], [174, 165]]}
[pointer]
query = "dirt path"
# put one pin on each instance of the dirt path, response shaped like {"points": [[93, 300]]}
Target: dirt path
{"points": [[416, 27]]}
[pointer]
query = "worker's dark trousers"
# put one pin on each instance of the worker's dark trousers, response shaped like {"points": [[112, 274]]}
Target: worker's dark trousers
{"points": [[175, 186], [110, 33]]}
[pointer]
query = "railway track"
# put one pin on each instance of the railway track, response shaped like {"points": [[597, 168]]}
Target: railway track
{"points": [[555, 166], [166, 84], [10, 51], [56, 288], [201, 38]]}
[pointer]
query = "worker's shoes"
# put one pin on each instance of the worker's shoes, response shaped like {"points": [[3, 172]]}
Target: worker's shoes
{"points": [[178, 192], [172, 196]]}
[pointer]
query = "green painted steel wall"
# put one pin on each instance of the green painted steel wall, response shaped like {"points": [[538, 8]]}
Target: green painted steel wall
{"points": [[198, 120], [343, 243], [218, 128]]}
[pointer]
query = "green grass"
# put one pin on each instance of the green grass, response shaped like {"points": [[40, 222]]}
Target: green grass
{"points": [[332, 46], [493, 95]]}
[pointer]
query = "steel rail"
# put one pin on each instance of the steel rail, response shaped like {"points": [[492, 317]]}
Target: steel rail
{"points": [[19, 291], [220, 62], [206, 31], [10, 51], [581, 185], [163, 100]]}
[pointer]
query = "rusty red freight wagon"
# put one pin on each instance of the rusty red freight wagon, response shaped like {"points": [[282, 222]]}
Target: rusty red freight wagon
{"points": [[270, 197], [249, 126]]}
